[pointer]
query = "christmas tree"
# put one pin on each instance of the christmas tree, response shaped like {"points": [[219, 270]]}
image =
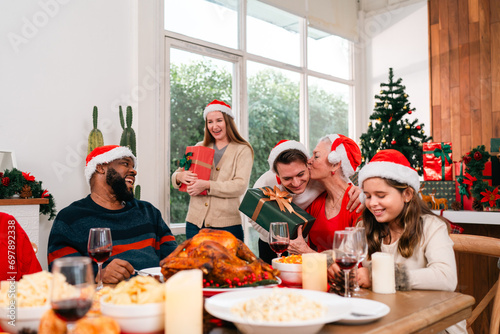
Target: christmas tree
{"points": [[388, 129]]}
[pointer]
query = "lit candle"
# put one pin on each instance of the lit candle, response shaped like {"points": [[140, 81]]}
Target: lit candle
{"points": [[314, 276], [184, 303], [383, 275]]}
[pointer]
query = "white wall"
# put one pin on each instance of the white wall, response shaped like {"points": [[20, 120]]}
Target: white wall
{"points": [[398, 38], [57, 60]]}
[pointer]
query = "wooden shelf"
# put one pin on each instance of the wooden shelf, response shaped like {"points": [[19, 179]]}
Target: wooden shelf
{"points": [[24, 201]]}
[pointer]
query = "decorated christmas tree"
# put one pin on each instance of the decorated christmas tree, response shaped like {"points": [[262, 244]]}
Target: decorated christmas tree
{"points": [[387, 128]]}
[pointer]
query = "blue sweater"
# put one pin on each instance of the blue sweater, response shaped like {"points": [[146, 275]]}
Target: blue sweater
{"points": [[140, 236]]}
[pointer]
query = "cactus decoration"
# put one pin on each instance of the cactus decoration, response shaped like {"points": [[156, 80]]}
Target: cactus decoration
{"points": [[128, 139], [137, 192], [128, 135], [95, 137]]}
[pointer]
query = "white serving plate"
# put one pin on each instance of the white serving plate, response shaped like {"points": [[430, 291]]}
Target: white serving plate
{"points": [[220, 306]]}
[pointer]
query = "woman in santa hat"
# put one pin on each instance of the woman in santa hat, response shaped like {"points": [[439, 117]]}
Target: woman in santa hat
{"points": [[398, 222], [231, 169], [334, 160]]}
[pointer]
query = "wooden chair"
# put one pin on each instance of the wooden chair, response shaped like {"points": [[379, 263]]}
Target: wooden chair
{"points": [[480, 245]]}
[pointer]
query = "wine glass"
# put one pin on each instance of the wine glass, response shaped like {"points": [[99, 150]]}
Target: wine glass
{"points": [[344, 246], [99, 248], [361, 251], [72, 288], [279, 237]]}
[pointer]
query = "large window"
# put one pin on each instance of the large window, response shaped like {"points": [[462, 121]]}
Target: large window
{"points": [[284, 79]]}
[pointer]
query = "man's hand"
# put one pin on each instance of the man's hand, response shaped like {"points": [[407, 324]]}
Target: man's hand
{"points": [[299, 245], [196, 187], [354, 201], [116, 271]]}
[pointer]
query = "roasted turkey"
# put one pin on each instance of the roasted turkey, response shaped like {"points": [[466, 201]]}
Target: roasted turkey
{"points": [[224, 260]]}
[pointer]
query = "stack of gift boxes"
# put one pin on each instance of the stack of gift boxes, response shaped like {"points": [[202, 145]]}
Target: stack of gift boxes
{"points": [[439, 182]]}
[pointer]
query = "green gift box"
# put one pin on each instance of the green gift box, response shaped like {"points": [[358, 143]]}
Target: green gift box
{"points": [[440, 190], [266, 205]]}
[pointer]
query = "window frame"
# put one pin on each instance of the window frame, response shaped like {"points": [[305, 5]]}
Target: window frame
{"points": [[240, 58]]}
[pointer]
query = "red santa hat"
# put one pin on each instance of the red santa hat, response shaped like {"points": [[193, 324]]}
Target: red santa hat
{"points": [[282, 146], [344, 150], [104, 154], [390, 164], [217, 105]]}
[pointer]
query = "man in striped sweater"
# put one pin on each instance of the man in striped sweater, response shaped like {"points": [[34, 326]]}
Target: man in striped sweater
{"points": [[140, 236]]}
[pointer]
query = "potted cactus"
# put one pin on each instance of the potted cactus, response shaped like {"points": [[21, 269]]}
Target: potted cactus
{"points": [[128, 135], [95, 137]]}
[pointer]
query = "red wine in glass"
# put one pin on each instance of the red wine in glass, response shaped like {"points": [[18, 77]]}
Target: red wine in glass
{"points": [[279, 237], [71, 310], [279, 246], [346, 262], [100, 255], [73, 288], [99, 248]]}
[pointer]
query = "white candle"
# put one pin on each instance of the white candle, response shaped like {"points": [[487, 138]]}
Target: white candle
{"points": [[383, 275], [314, 276], [184, 303]]}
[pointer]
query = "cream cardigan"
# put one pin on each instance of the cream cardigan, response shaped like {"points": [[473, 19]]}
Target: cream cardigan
{"points": [[228, 181]]}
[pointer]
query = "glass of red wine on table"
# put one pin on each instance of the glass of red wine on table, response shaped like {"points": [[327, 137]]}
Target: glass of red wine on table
{"points": [[72, 288], [279, 237], [345, 245], [99, 248]]}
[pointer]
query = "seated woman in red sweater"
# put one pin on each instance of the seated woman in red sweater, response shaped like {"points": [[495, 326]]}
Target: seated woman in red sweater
{"points": [[17, 257]]}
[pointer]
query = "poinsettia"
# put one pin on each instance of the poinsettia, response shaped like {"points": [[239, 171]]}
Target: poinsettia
{"points": [[490, 196], [28, 176], [5, 181]]}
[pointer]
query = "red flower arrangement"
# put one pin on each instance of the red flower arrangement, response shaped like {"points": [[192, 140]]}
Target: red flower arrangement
{"points": [[14, 183], [490, 196]]}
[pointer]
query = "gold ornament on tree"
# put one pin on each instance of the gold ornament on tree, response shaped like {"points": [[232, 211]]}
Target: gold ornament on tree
{"points": [[383, 140], [407, 126]]}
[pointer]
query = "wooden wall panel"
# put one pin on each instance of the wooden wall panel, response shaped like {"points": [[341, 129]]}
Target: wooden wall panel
{"points": [[464, 49], [464, 52], [495, 67]]}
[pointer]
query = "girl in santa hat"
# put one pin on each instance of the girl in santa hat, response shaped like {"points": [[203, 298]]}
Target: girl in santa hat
{"points": [[231, 169], [397, 221], [334, 160]]}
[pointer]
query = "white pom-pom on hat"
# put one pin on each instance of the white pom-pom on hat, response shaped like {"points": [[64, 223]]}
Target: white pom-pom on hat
{"points": [[344, 150], [105, 154], [282, 146], [217, 105]]}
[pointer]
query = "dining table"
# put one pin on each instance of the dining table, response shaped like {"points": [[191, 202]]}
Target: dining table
{"points": [[416, 311]]}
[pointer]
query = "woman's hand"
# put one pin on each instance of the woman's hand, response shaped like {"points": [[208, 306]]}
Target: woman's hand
{"points": [[354, 201], [364, 280], [299, 245], [197, 186], [334, 271], [187, 177]]}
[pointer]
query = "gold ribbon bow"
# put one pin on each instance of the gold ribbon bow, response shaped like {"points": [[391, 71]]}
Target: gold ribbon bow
{"points": [[282, 197]]}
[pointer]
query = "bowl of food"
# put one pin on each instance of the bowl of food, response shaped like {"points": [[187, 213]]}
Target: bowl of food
{"points": [[23, 303], [290, 268], [13, 320], [278, 310], [138, 305]]}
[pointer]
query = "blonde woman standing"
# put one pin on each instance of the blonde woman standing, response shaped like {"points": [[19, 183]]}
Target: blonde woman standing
{"points": [[231, 168]]}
